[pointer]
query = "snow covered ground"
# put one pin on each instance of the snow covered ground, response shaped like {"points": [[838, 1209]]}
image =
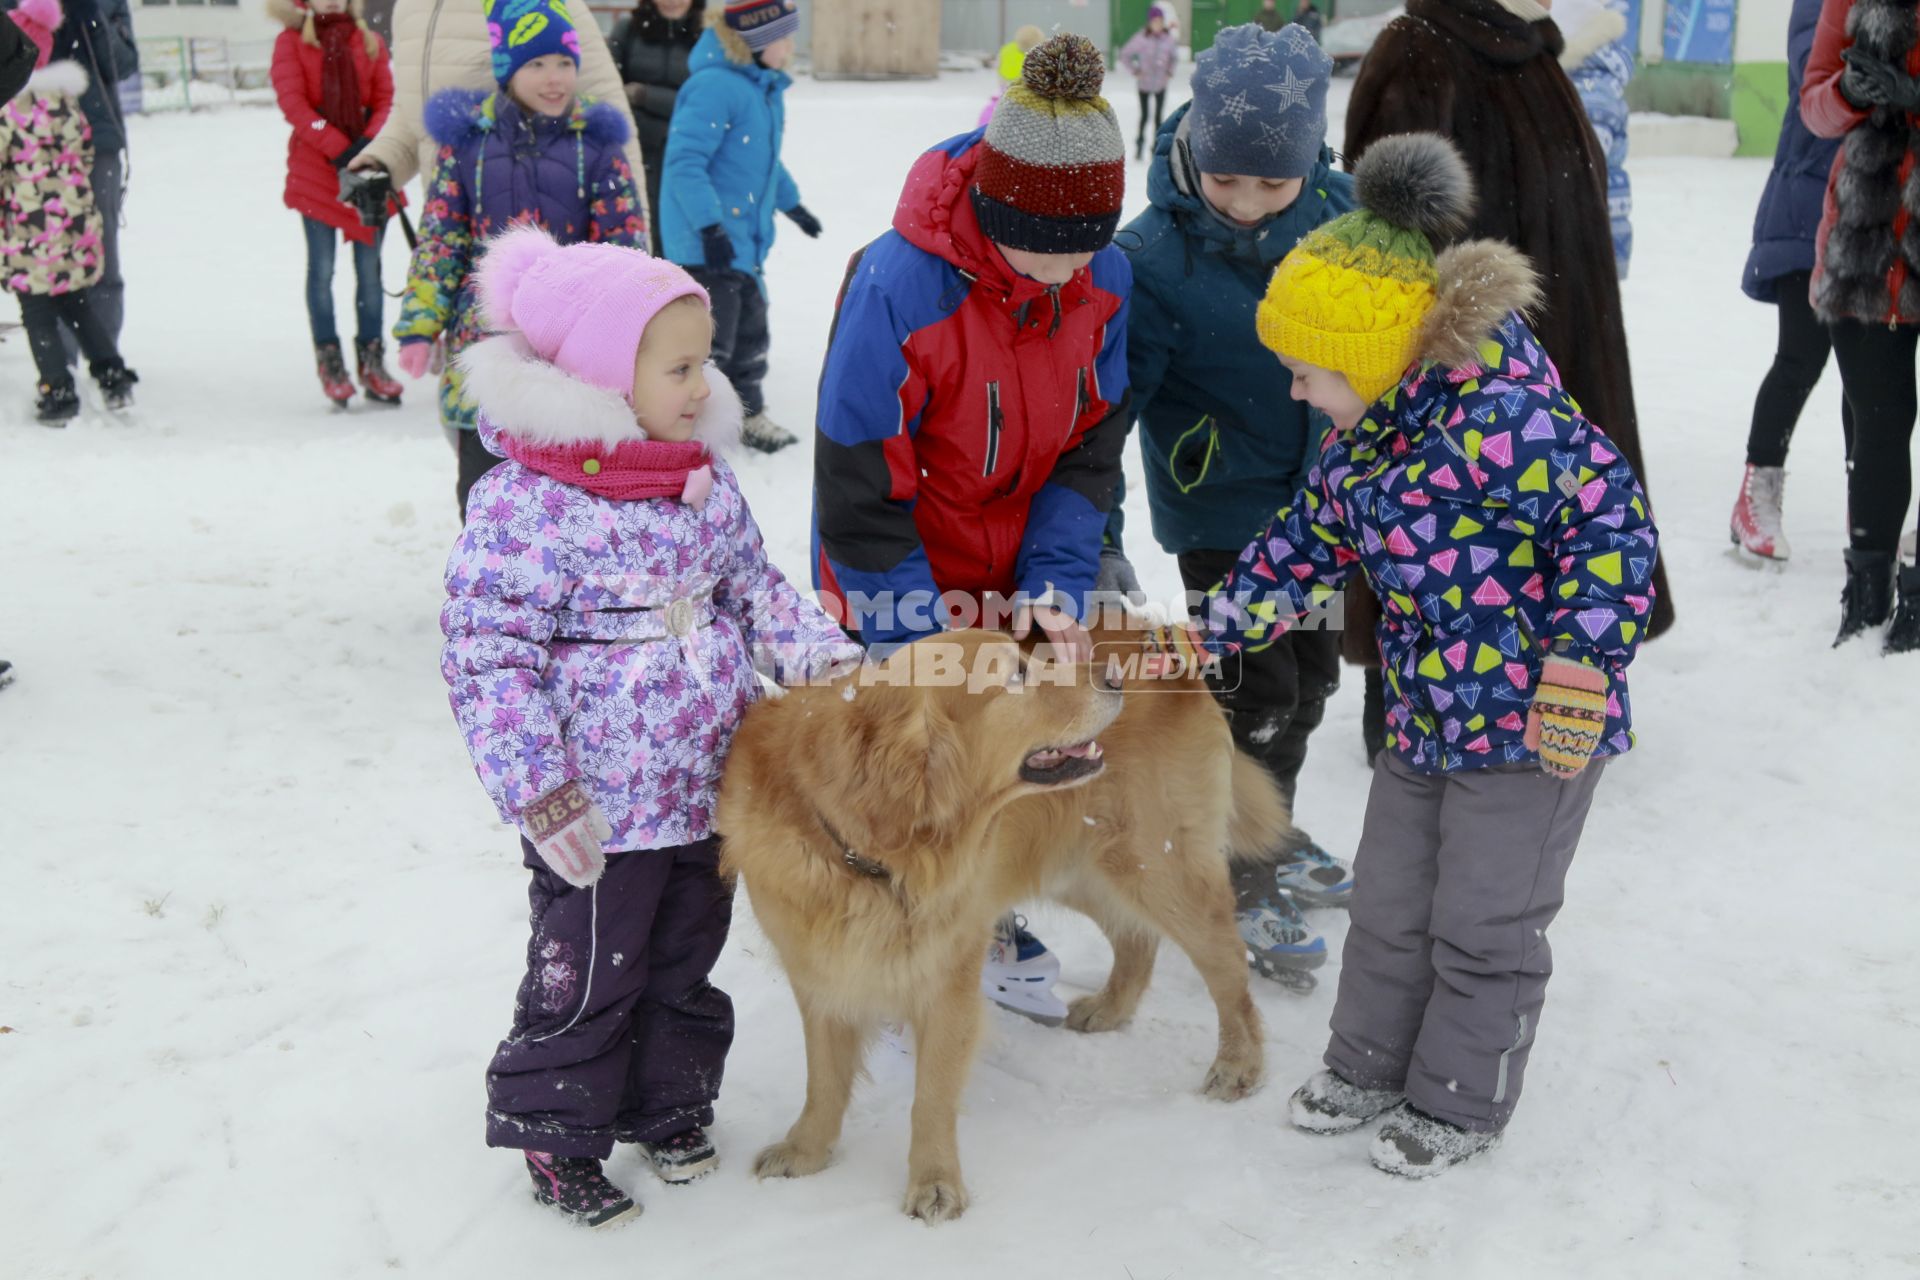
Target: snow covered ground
{"points": [[260, 932]]}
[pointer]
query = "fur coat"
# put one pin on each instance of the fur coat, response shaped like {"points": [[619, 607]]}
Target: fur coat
{"points": [[1867, 265], [1490, 79]]}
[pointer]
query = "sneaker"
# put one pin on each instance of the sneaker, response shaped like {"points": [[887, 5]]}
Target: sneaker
{"points": [[1020, 973], [1312, 877], [1412, 1144], [1755, 527], [1328, 1104], [332, 367], [576, 1187], [116, 387], [57, 406], [763, 433], [381, 387], [685, 1156], [1280, 942]]}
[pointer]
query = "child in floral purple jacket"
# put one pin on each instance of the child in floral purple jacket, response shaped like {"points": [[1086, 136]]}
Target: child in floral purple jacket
{"points": [[608, 605]]}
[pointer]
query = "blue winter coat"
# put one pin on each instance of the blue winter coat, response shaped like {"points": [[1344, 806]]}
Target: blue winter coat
{"points": [[1223, 439], [1788, 221], [1494, 522], [723, 155]]}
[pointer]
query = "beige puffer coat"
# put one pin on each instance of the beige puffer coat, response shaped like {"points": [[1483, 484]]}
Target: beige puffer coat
{"points": [[442, 44]]}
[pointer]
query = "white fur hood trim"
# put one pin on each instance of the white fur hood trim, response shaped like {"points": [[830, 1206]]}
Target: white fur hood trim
{"points": [[66, 76], [535, 401]]}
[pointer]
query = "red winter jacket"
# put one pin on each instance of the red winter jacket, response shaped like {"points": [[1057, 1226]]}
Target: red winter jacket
{"points": [[971, 420], [1867, 267], [313, 184]]}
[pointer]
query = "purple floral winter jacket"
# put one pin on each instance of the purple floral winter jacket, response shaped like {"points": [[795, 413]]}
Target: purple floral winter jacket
{"points": [[614, 642]]}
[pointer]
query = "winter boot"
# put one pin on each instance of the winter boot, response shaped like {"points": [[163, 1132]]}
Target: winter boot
{"points": [[1328, 1104], [116, 386], [1413, 1144], [380, 386], [1020, 973], [1312, 877], [1281, 945], [1756, 515], [576, 1187], [57, 406], [683, 1157], [1868, 597], [334, 382], [764, 434], [1904, 635]]}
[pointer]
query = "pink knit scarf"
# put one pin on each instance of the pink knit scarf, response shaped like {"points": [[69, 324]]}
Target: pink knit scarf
{"points": [[624, 472]]}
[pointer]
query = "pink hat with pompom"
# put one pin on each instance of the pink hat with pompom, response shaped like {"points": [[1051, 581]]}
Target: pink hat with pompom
{"points": [[38, 20], [581, 307]]}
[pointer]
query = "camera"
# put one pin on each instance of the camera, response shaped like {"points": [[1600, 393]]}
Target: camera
{"points": [[369, 191]]}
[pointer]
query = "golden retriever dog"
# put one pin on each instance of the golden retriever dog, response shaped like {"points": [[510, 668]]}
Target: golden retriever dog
{"points": [[882, 823]]}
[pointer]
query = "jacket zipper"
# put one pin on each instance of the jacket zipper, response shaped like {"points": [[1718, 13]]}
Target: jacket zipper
{"points": [[1079, 400], [995, 422]]}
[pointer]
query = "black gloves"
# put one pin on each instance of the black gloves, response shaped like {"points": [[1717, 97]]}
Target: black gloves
{"points": [[803, 219], [354, 148], [718, 246], [1870, 82]]}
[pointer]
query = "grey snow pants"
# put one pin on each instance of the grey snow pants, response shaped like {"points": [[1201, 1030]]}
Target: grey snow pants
{"points": [[1445, 970]]}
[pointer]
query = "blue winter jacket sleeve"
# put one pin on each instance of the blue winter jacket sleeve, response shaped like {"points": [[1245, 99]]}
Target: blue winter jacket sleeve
{"points": [[700, 120], [786, 192], [864, 475], [1296, 567], [1060, 552]]}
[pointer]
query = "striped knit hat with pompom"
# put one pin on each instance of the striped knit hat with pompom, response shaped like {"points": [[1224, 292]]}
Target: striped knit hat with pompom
{"points": [[1052, 167]]}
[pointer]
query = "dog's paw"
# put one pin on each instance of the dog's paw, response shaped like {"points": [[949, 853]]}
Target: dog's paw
{"points": [[1095, 1013], [785, 1160], [935, 1199], [1232, 1081]]}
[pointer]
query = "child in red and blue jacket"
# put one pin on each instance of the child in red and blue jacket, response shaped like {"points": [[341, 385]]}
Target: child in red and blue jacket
{"points": [[1512, 550]]}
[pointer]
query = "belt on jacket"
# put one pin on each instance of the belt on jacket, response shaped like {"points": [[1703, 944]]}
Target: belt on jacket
{"points": [[676, 619]]}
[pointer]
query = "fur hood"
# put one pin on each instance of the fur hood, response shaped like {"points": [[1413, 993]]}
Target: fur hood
{"points": [[1481, 283], [732, 43], [63, 77], [454, 116], [533, 400]]}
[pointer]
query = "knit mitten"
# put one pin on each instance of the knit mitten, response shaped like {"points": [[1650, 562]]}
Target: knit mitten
{"points": [[1569, 715], [566, 828]]}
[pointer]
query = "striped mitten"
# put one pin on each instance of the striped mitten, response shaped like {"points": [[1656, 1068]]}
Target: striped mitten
{"points": [[1569, 715]]}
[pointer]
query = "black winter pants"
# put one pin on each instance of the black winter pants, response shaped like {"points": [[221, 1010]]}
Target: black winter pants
{"points": [[740, 337], [1877, 371], [1799, 358], [43, 317]]}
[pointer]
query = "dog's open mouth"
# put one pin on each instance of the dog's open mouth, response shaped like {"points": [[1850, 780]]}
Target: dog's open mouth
{"points": [[1055, 765]]}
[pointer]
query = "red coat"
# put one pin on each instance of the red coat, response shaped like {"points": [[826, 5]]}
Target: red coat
{"points": [[1867, 267], [313, 184]]}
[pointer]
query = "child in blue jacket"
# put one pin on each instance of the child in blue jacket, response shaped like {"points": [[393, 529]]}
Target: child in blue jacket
{"points": [[723, 182], [1512, 550], [1232, 191]]}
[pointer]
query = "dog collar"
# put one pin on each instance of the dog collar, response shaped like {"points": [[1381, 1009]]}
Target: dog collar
{"points": [[859, 865]]}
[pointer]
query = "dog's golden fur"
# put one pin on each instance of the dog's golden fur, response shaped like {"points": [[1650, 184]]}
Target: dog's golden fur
{"points": [[923, 780]]}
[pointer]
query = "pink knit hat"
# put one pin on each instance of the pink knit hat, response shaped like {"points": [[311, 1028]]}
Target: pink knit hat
{"points": [[582, 308], [38, 20]]}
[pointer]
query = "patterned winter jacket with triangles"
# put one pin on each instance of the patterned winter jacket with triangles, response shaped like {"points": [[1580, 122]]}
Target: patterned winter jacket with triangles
{"points": [[49, 225], [1490, 517]]}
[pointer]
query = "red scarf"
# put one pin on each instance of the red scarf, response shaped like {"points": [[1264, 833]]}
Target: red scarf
{"points": [[625, 472], [340, 104]]}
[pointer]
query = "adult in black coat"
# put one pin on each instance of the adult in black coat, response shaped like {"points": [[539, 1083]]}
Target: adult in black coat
{"points": [[17, 54], [1486, 74], [650, 46]]}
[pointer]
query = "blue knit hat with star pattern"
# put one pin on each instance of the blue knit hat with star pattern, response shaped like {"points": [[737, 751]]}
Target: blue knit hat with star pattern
{"points": [[1260, 103]]}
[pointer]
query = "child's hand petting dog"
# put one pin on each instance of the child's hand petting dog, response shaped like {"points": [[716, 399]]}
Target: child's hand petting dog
{"points": [[566, 829], [1172, 650], [1569, 714]]}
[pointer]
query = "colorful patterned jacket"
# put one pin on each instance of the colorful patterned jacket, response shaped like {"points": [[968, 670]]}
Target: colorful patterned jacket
{"points": [[564, 659], [1493, 521], [49, 225], [499, 164]]}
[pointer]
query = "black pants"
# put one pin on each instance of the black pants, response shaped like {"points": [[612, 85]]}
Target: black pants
{"points": [[740, 337], [44, 316], [1799, 358], [1159, 104], [1278, 695], [1877, 371], [110, 291], [475, 462]]}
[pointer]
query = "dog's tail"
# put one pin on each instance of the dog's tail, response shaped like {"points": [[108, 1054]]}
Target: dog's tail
{"points": [[1261, 816]]}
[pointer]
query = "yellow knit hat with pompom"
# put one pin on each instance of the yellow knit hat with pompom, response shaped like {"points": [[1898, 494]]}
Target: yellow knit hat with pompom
{"points": [[1353, 296]]}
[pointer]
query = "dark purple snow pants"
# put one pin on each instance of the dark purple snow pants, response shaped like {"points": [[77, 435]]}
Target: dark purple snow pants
{"points": [[617, 1034]]}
